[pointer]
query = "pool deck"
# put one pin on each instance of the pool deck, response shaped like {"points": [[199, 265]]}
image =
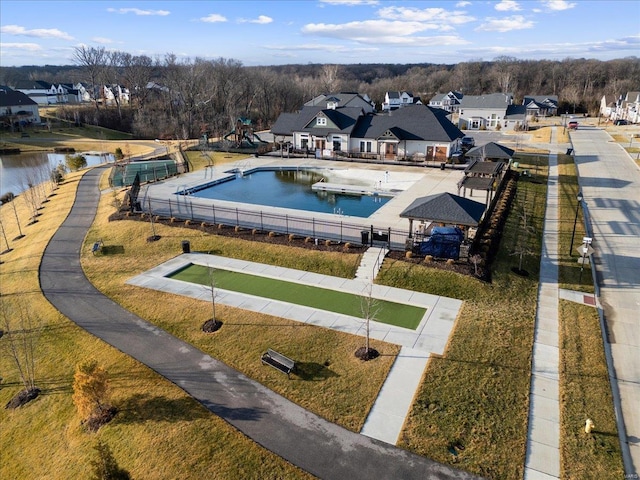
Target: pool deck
{"points": [[407, 182], [388, 413]]}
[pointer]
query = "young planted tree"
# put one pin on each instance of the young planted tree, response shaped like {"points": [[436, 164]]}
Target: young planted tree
{"points": [[22, 328], [524, 233], [4, 236], [91, 394], [369, 308], [213, 324]]}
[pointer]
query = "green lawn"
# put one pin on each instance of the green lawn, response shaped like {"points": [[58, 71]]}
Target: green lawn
{"points": [[391, 313]]}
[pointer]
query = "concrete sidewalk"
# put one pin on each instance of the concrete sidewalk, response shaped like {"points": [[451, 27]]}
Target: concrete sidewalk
{"points": [[543, 436], [304, 439], [394, 401]]}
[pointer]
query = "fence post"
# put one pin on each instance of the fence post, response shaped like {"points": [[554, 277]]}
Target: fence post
{"points": [[341, 231], [286, 223], [261, 222], [313, 223], [389, 239], [170, 211], [213, 208], [191, 208], [237, 218]]}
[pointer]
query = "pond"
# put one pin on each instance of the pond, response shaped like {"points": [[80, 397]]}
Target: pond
{"points": [[18, 171]]}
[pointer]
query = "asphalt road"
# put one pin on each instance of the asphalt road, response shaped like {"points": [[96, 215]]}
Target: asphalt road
{"points": [[321, 448]]}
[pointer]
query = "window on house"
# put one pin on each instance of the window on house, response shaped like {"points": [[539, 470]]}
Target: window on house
{"points": [[304, 143], [337, 145], [321, 121], [365, 147]]}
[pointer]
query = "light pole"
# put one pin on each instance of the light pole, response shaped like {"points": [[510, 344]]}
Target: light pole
{"points": [[575, 220]]}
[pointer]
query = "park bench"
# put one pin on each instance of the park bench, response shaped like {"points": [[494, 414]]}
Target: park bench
{"points": [[278, 361], [97, 246]]}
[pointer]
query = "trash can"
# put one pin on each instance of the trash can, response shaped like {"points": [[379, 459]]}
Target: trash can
{"points": [[442, 166], [186, 246], [365, 237]]}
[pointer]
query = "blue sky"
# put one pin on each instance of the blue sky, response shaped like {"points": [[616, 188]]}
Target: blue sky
{"points": [[321, 31]]}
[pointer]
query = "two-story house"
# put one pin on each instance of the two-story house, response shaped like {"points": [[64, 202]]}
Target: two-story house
{"points": [[76, 93], [17, 109], [449, 101], [491, 112], [396, 100], [43, 93]]}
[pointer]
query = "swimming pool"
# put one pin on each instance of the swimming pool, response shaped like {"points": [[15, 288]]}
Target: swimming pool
{"points": [[292, 189]]}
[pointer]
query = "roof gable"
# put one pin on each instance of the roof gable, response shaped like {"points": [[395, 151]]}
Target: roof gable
{"points": [[491, 101]]}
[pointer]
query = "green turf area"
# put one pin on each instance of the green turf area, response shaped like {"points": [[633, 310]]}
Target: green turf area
{"points": [[398, 314]]}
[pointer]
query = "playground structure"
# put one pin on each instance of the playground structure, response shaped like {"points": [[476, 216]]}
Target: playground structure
{"points": [[243, 136]]}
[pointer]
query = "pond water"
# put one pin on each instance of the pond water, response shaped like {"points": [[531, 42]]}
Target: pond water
{"points": [[17, 171], [292, 189]]}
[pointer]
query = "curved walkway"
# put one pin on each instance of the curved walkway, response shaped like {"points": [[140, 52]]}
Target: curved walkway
{"points": [[321, 448]]}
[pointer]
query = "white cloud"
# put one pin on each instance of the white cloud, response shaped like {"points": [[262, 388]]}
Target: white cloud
{"points": [[506, 24], [462, 4], [367, 29], [507, 6], [102, 40], [213, 18], [28, 47], [558, 5], [438, 15], [350, 3], [138, 11], [36, 32], [261, 20]]}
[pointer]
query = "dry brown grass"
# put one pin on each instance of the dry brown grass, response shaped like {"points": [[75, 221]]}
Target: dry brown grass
{"points": [[160, 432], [331, 381]]}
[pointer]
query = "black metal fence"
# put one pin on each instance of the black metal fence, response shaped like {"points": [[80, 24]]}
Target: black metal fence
{"points": [[184, 207]]}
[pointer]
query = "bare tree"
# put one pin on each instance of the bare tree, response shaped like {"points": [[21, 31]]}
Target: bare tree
{"points": [[4, 235], [369, 309], [213, 324], [330, 78], [93, 61], [22, 328]]}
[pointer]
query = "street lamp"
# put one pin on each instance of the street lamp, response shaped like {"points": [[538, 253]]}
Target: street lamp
{"points": [[575, 220]]}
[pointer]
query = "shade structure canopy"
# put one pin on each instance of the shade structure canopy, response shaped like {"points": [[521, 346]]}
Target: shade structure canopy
{"points": [[445, 208]]}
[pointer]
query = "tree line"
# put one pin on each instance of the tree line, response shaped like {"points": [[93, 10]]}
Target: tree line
{"points": [[178, 98]]}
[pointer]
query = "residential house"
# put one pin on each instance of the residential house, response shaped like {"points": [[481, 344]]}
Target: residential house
{"points": [[608, 104], [541, 105], [343, 99], [17, 109], [628, 108], [43, 93], [396, 100], [486, 112], [448, 101], [415, 132], [113, 95], [76, 93]]}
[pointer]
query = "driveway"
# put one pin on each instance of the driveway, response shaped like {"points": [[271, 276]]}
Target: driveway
{"points": [[304, 439]]}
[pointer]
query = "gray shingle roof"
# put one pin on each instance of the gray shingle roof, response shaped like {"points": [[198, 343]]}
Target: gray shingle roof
{"points": [[493, 100], [11, 98], [491, 150], [413, 122], [446, 208]]}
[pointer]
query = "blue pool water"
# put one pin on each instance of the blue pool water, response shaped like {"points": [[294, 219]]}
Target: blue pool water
{"points": [[291, 189]]}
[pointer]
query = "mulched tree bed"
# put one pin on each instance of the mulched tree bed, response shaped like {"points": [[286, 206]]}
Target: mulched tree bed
{"points": [[462, 267], [23, 397], [211, 326], [94, 422], [365, 354]]}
